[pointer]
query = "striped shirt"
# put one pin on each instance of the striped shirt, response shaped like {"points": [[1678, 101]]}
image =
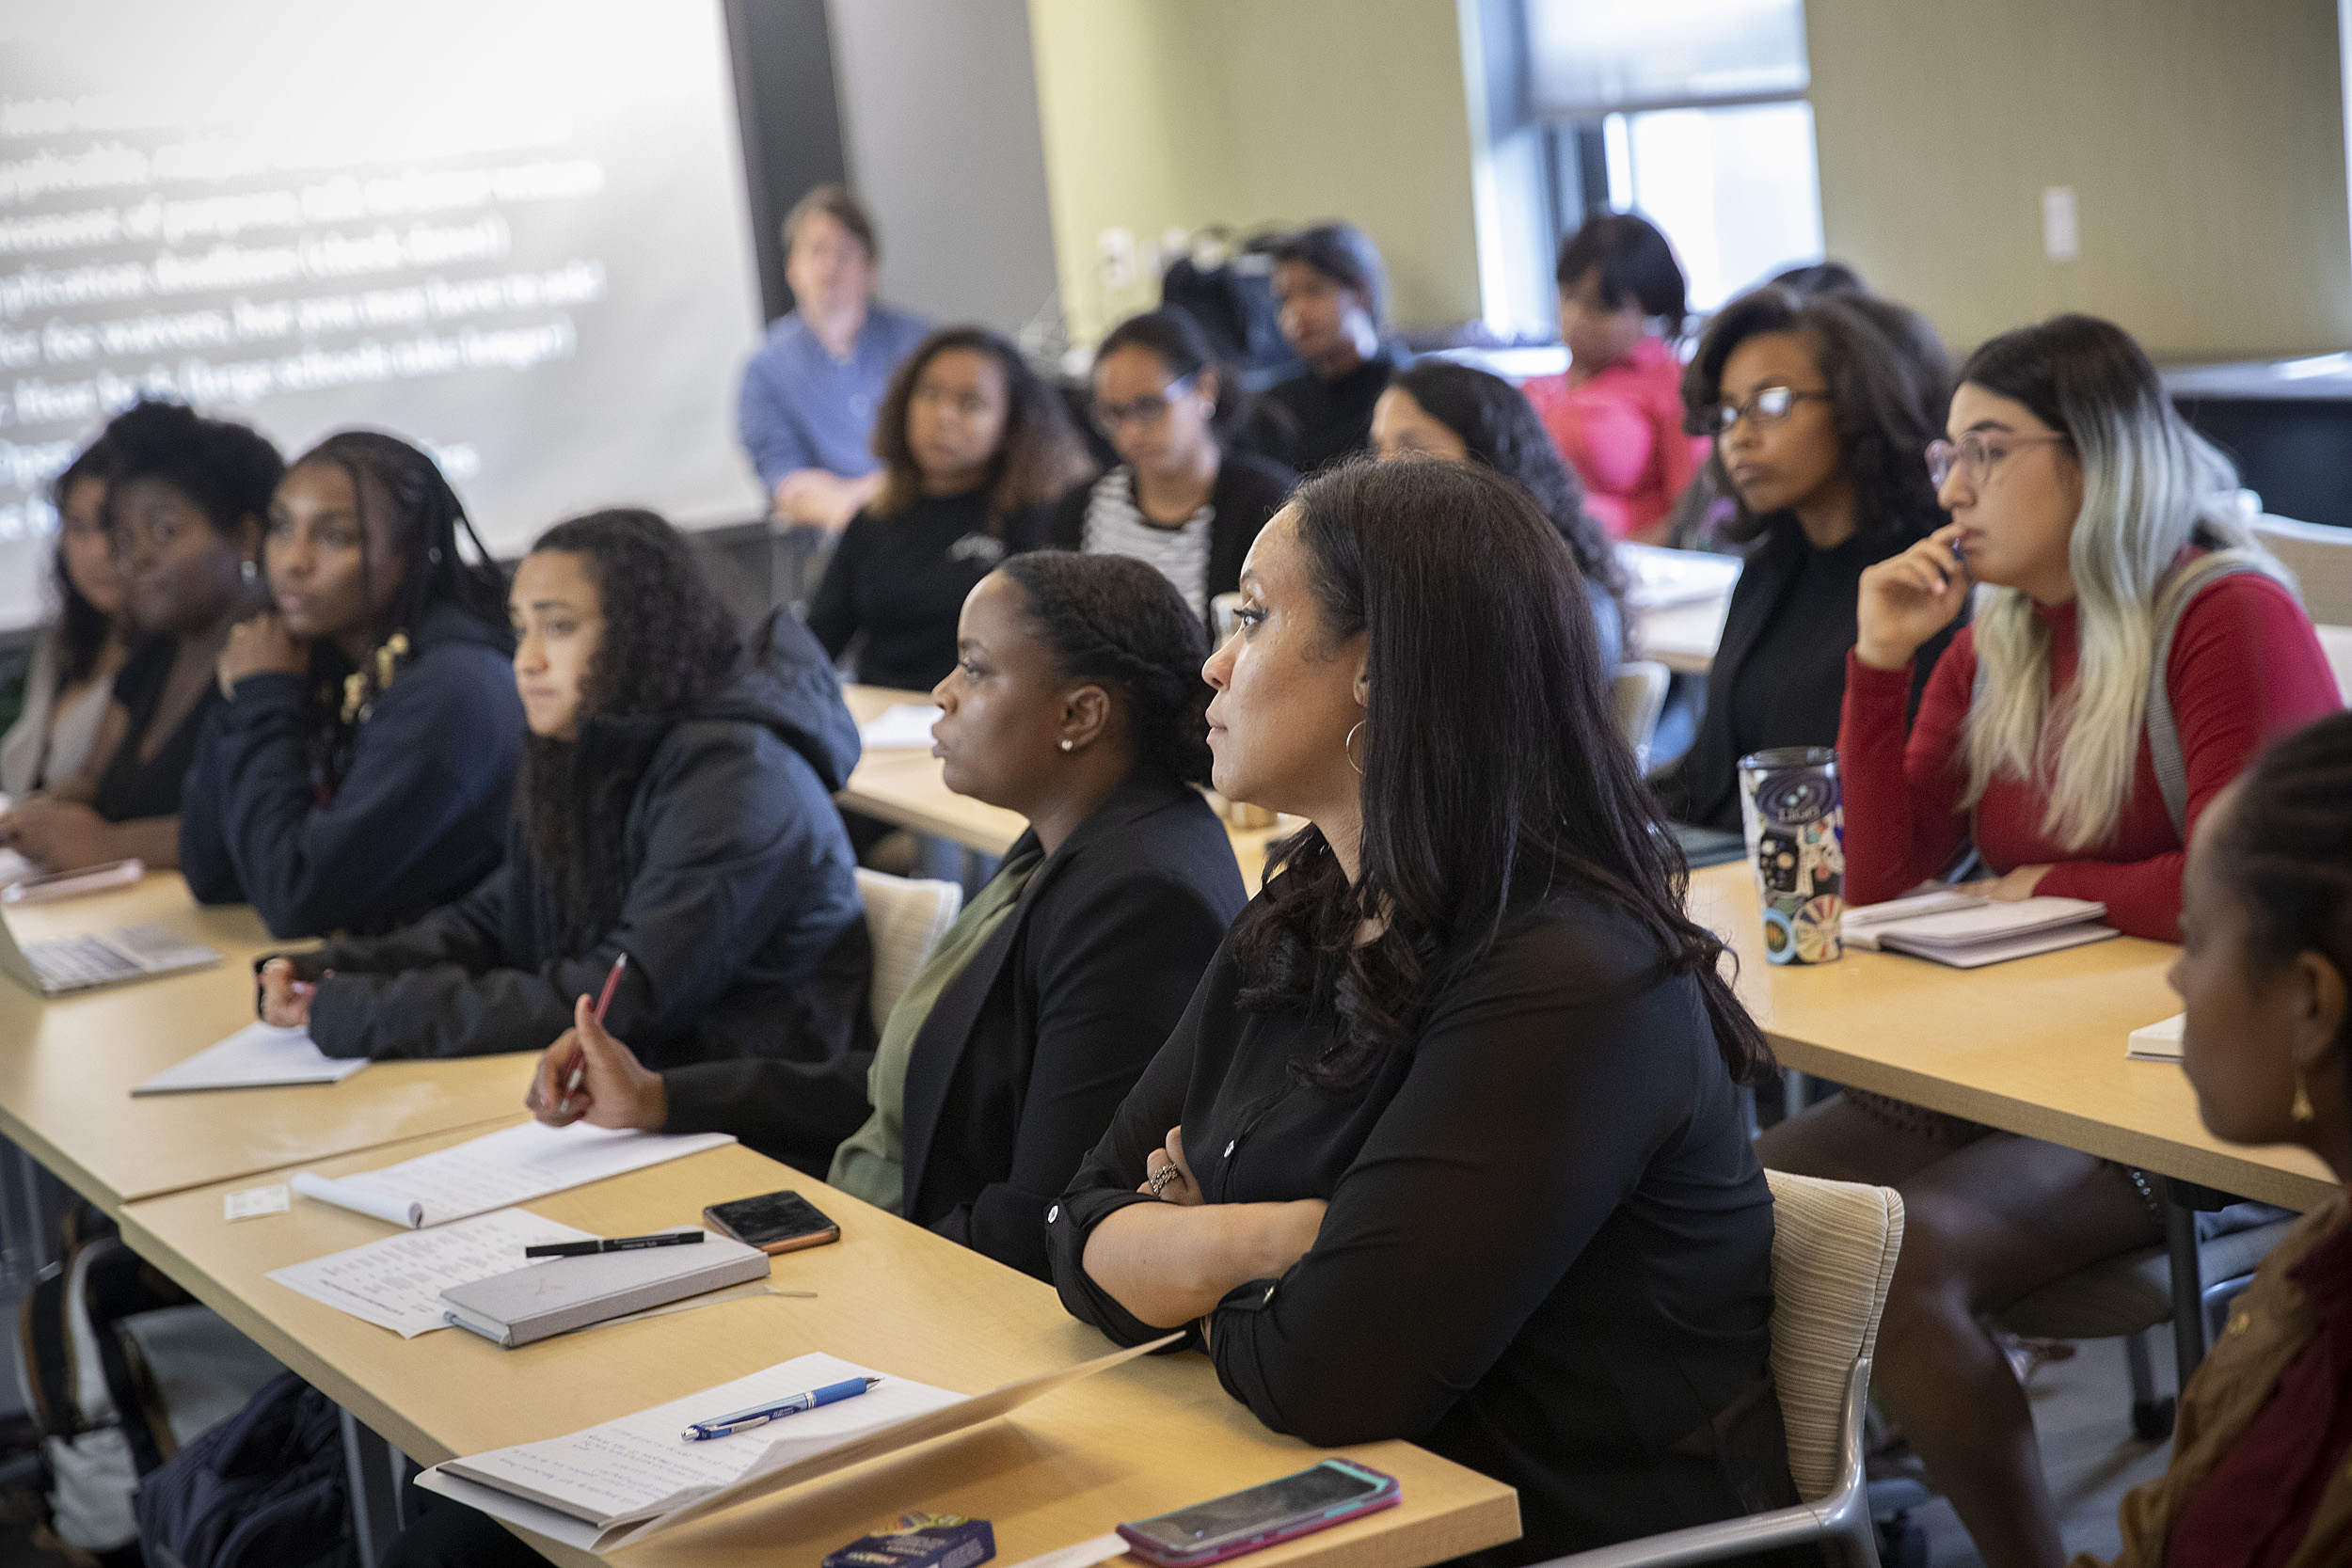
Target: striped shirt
{"points": [[1116, 526]]}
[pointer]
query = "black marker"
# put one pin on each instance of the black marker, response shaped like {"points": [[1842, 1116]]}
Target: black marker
{"points": [[614, 1243]]}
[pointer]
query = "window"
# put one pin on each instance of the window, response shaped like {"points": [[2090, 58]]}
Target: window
{"points": [[1691, 112]]}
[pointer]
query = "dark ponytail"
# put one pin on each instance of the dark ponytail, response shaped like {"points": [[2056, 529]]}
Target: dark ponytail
{"points": [[1114, 619]]}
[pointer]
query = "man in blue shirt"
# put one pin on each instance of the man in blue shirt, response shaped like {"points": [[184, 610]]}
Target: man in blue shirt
{"points": [[806, 410]]}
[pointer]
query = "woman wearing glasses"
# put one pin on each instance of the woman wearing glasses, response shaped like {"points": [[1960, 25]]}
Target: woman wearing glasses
{"points": [[2087, 518], [1819, 408], [975, 450], [1179, 500]]}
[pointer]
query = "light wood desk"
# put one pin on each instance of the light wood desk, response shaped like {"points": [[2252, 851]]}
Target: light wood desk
{"points": [[66, 1066], [2034, 1046], [902, 785], [1139, 1439]]}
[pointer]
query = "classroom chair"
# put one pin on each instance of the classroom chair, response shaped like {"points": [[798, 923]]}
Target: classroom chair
{"points": [[1833, 1249], [905, 919], [1641, 693], [2321, 558]]}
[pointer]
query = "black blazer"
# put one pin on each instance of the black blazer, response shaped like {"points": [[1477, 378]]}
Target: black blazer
{"points": [[1248, 490], [1705, 788], [1031, 1047]]}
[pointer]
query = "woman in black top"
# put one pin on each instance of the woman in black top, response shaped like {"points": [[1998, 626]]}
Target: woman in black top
{"points": [[1180, 499], [184, 504], [1332, 293], [359, 771], [1821, 408], [1448, 1146], [675, 806], [1076, 703], [975, 451]]}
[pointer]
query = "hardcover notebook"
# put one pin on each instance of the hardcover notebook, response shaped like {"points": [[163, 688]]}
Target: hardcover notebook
{"points": [[556, 1295], [2156, 1043], [1995, 932]]}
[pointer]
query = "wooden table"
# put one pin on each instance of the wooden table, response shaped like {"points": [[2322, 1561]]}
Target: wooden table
{"points": [[903, 786], [1141, 1438], [66, 1066], [2034, 1046]]}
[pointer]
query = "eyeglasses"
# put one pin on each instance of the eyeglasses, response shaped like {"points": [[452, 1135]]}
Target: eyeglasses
{"points": [[1765, 405], [1147, 411], [1975, 454]]}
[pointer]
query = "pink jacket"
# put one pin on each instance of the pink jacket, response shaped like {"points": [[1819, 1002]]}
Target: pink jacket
{"points": [[1622, 432]]}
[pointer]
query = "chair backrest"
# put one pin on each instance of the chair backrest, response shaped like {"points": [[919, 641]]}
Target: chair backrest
{"points": [[2321, 558], [904, 919], [1834, 1248], [1641, 693], [2336, 642]]}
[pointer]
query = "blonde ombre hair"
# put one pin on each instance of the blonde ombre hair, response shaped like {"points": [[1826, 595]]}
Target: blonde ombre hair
{"points": [[2151, 488]]}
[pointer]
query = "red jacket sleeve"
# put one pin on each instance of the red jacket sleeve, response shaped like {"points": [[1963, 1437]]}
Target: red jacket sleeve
{"points": [[2245, 668], [1903, 821]]}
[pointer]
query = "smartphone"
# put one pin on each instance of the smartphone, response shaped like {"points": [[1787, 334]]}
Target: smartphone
{"points": [[772, 1222], [73, 885], [1313, 1500]]}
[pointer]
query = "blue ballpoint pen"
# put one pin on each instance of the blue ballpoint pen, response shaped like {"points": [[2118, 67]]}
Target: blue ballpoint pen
{"points": [[760, 1414]]}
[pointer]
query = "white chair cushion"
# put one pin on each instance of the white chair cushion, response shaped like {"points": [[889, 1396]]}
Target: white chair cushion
{"points": [[1833, 1249], [904, 919]]}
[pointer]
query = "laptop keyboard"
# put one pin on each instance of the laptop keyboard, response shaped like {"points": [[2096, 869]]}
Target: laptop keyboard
{"points": [[68, 963]]}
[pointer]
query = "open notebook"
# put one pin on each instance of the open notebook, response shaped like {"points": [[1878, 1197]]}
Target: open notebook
{"points": [[1982, 932], [623, 1481]]}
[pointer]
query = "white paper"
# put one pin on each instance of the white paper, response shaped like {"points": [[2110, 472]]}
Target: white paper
{"points": [[1658, 576], [256, 1201], [1084, 1555], [2156, 1042], [495, 1171], [900, 724], [260, 1055], [397, 1283], [639, 1466]]}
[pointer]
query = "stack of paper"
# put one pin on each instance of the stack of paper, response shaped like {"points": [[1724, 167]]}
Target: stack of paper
{"points": [[900, 724], [1993, 933], [397, 1283], [499, 1169], [260, 1055], [2156, 1042]]}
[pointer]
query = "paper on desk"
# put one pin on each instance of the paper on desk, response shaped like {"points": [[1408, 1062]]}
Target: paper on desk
{"points": [[527, 1161], [899, 724], [1085, 1554], [2156, 1042], [397, 1283], [258, 1056]]}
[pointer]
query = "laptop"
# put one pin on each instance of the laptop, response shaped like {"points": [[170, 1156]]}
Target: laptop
{"points": [[63, 965]]}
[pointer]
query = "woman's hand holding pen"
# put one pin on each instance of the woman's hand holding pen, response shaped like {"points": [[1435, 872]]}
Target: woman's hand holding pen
{"points": [[587, 1075], [285, 1000], [1908, 598]]}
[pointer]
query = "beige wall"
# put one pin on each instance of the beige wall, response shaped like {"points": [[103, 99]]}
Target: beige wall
{"points": [[2205, 138], [1178, 113]]}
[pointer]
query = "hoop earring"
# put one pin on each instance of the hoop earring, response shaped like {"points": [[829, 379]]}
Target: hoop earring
{"points": [[2300, 1110], [1350, 741]]}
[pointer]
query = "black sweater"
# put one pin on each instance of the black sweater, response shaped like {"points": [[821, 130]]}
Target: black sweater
{"points": [[408, 812], [1033, 1044], [897, 583], [1248, 490], [1548, 1255], [1330, 418], [741, 919]]}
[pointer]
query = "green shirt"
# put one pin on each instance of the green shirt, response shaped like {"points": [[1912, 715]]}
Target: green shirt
{"points": [[870, 1162]]}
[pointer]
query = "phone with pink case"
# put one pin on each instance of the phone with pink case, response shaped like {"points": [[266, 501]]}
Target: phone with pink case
{"points": [[1316, 1499]]}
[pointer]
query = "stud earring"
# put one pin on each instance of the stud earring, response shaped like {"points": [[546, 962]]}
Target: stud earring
{"points": [[2300, 1110], [1065, 745], [251, 569]]}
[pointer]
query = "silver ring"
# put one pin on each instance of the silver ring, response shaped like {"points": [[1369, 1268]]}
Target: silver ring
{"points": [[1159, 1178]]}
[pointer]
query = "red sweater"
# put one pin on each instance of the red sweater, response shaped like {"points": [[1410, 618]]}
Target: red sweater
{"points": [[2245, 669]]}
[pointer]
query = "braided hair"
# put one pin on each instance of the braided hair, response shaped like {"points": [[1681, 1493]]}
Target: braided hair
{"points": [[2286, 846], [669, 643], [1116, 620]]}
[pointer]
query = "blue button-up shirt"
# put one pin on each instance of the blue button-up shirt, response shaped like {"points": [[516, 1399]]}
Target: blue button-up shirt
{"points": [[802, 409]]}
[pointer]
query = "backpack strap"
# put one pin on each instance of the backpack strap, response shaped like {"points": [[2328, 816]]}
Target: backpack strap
{"points": [[2164, 732]]}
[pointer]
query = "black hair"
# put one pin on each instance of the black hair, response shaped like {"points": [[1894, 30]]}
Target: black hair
{"points": [[1501, 429], [1345, 254], [1116, 620], [1889, 383], [81, 627], [1821, 278], [1494, 771], [2286, 846], [1635, 263], [427, 517], [2070, 361], [1183, 348], [228, 470], [669, 643], [1038, 458]]}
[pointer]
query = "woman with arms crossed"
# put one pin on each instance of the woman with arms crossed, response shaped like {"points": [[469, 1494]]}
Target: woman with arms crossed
{"points": [[1447, 1146]]}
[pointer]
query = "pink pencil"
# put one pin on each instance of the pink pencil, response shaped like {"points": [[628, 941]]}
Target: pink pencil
{"points": [[604, 1000]]}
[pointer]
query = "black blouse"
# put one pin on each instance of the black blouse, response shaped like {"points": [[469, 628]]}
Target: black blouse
{"points": [[1549, 1248], [131, 790], [1333, 417]]}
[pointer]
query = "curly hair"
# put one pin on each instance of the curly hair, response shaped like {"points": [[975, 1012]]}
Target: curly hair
{"points": [[1889, 383], [1494, 771], [669, 643], [1116, 620], [1038, 458], [226, 468], [81, 627], [1501, 429]]}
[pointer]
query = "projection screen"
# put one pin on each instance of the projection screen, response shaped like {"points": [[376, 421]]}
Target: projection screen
{"points": [[513, 233]]}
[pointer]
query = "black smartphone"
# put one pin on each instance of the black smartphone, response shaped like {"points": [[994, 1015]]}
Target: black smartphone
{"points": [[772, 1222], [1313, 1500]]}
